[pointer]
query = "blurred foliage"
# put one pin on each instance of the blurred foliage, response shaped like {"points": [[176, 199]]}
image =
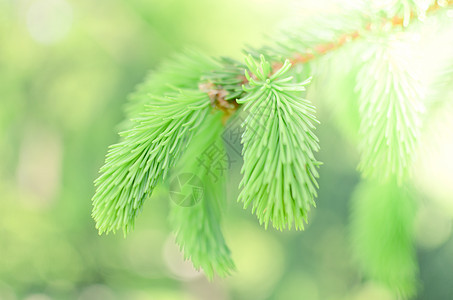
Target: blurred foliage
{"points": [[66, 68]]}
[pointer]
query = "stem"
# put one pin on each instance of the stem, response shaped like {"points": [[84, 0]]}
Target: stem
{"points": [[217, 96]]}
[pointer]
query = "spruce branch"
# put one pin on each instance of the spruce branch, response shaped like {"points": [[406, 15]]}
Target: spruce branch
{"points": [[134, 166], [197, 227], [184, 103], [280, 170], [382, 219], [390, 106], [157, 136]]}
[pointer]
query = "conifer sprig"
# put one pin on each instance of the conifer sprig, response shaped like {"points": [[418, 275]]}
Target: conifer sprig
{"points": [[382, 220], [197, 227], [280, 170], [390, 106], [146, 153]]}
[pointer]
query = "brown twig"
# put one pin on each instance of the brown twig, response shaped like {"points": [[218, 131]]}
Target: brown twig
{"points": [[217, 96]]}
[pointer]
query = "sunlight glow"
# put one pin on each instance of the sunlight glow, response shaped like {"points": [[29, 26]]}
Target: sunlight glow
{"points": [[49, 21]]}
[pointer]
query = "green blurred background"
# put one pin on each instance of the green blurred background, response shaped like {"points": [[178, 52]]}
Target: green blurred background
{"points": [[66, 68]]}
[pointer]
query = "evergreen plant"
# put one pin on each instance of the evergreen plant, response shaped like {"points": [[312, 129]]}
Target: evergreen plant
{"points": [[181, 109]]}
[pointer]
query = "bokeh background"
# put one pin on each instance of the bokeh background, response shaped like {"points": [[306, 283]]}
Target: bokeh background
{"points": [[66, 68]]}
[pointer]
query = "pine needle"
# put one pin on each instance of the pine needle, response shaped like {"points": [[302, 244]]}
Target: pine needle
{"points": [[382, 235], [197, 227], [390, 104], [280, 170], [134, 166]]}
